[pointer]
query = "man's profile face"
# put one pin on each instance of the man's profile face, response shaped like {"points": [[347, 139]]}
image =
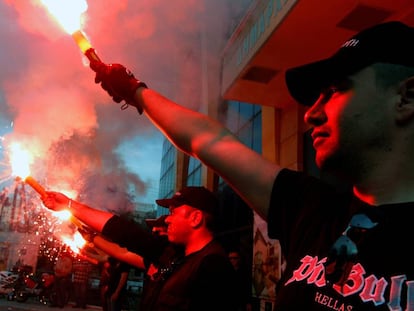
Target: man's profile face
{"points": [[349, 119], [179, 224]]}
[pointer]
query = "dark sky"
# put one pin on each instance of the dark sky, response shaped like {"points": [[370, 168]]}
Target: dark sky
{"points": [[81, 141]]}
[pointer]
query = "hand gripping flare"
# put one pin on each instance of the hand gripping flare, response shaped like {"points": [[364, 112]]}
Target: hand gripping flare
{"points": [[119, 82]]}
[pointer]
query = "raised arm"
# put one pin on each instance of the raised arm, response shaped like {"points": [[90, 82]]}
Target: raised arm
{"points": [[202, 137], [196, 134]]}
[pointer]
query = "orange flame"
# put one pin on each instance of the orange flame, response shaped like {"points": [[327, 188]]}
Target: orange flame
{"points": [[75, 242], [67, 215], [63, 215], [20, 160], [66, 12]]}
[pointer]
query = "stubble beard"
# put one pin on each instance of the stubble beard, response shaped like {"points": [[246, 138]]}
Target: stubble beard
{"points": [[339, 163]]}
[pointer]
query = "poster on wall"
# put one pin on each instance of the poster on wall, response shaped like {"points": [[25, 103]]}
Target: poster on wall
{"points": [[267, 261]]}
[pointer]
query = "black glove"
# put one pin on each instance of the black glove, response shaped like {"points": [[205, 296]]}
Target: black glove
{"points": [[87, 233], [119, 82]]}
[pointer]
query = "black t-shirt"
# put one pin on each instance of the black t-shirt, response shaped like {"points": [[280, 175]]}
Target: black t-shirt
{"points": [[307, 217], [201, 281], [171, 255], [135, 238]]}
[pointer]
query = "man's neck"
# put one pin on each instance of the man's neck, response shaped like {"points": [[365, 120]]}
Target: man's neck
{"points": [[198, 243]]}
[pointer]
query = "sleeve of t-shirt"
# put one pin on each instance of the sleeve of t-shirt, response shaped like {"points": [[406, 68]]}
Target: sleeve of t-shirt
{"points": [[292, 192], [134, 237], [284, 201]]}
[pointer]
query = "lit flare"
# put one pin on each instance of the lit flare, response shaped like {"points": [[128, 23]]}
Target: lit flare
{"points": [[68, 14], [20, 162]]}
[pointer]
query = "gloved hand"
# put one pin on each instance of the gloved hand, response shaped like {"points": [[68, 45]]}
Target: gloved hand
{"points": [[87, 233], [119, 82]]}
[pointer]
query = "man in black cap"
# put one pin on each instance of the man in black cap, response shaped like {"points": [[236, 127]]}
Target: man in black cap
{"points": [[198, 204], [344, 250], [200, 278]]}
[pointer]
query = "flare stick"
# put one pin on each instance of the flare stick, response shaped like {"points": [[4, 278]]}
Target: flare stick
{"points": [[39, 189], [85, 46], [35, 185]]}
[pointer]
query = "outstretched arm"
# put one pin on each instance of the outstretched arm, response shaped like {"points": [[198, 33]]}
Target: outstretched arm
{"points": [[118, 252], [202, 137], [93, 218], [198, 135]]}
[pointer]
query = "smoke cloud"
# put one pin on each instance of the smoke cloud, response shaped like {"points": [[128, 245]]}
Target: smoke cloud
{"points": [[49, 102]]}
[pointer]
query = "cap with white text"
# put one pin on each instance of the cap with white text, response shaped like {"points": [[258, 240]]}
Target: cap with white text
{"points": [[390, 42]]}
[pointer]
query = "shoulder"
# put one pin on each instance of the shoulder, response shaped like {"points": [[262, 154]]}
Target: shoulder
{"points": [[215, 256]]}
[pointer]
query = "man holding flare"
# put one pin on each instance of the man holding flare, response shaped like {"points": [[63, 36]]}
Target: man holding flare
{"points": [[194, 276], [345, 250]]}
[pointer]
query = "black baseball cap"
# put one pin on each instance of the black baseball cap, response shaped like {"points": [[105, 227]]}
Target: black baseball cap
{"points": [[197, 197], [390, 42], [156, 222]]}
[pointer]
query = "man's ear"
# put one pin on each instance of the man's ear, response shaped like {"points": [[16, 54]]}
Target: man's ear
{"points": [[405, 104], [197, 218]]}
